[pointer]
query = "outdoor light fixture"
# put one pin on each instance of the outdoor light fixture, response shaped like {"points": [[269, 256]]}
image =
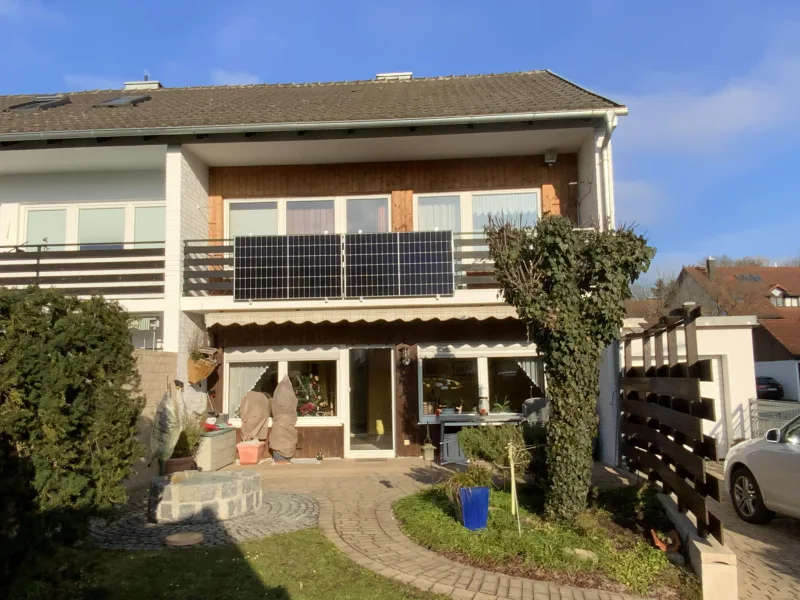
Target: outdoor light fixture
{"points": [[404, 357]]}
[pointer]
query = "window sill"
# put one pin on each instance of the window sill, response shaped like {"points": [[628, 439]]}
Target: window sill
{"points": [[301, 422]]}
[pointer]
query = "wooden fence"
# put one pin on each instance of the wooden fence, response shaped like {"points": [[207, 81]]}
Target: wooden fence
{"points": [[662, 414]]}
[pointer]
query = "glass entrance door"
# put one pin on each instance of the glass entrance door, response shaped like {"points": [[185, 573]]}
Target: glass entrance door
{"points": [[371, 393]]}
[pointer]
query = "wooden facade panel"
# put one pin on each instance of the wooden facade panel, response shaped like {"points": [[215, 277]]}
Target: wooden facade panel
{"points": [[401, 179], [328, 440], [402, 210]]}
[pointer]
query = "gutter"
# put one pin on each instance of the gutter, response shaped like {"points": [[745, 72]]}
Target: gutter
{"points": [[320, 126], [608, 173]]}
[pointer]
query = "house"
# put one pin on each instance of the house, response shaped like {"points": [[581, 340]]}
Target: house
{"points": [[770, 293], [331, 232]]}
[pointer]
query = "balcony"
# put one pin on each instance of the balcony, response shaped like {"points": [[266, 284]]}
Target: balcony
{"points": [[209, 266], [124, 270]]}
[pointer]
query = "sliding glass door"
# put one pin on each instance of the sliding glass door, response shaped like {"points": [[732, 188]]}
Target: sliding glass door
{"points": [[371, 418]]}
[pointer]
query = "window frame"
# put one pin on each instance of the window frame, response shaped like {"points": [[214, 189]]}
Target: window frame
{"points": [[339, 208], [465, 203], [71, 241], [482, 352], [283, 356]]}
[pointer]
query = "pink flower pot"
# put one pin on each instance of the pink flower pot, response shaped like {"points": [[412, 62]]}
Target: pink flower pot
{"points": [[250, 454]]}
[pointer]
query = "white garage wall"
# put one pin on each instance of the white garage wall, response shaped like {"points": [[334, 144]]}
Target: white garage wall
{"points": [[785, 372]]}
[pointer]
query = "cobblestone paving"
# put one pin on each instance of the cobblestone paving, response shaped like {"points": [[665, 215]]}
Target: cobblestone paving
{"points": [[767, 556], [280, 512], [355, 503]]}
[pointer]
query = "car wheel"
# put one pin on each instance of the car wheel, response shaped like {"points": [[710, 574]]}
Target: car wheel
{"points": [[747, 500]]}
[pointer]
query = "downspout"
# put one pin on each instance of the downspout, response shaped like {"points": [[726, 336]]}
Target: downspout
{"points": [[608, 173]]}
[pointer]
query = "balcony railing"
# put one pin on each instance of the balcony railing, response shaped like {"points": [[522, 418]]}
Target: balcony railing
{"points": [[127, 270], [208, 265]]}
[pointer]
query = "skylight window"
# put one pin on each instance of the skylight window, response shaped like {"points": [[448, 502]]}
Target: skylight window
{"points": [[749, 277], [123, 101], [40, 103]]}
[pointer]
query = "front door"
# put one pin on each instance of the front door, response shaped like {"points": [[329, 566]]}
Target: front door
{"points": [[371, 420]]}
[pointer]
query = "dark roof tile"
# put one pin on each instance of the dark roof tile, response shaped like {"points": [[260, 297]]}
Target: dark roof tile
{"points": [[474, 95]]}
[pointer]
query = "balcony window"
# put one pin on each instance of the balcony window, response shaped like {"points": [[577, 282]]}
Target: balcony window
{"points": [[367, 215], [103, 226], [439, 213], [149, 225], [314, 384], [518, 208], [249, 376], [449, 384], [253, 218], [305, 217], [46, 227], [514, 380]]}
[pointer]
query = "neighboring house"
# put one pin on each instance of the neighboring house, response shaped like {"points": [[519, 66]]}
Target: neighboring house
{"points": [[770, 293], [279, 220]]}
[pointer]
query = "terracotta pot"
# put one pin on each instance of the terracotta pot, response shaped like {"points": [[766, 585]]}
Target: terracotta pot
{"points": [[250, 454], [176, 465]]}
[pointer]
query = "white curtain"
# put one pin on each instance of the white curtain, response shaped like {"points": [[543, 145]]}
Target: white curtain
{"points": [[316, 216], [515, 207], [242, 377], [534, 369], [439, 212]]}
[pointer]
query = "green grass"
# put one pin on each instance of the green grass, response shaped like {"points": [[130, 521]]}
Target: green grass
{"points": [[296, 566], [625, 561]]}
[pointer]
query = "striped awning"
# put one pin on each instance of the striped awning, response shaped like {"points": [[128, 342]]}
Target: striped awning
{"points": [[368, 315]]}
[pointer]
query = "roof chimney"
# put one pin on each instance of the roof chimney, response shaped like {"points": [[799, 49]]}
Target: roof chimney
{"points": [[711, 264], [403, 76], [145, 84]]}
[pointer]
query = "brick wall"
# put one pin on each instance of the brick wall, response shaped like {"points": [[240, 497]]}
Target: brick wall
{"points": [[157, 370]]}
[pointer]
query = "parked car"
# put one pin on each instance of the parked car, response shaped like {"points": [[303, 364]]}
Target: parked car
{"points": [[768, 388], [763, 476]]}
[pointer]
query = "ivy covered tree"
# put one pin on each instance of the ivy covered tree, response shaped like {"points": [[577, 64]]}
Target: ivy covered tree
{"points": [[69, 405], [568, 286]]}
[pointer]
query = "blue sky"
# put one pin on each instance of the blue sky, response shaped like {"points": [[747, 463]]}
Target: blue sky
{"points": [[705, 163]]}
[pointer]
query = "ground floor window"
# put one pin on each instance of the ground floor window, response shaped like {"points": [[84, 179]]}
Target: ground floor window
{"points": [[452, 379], [314, 374]]}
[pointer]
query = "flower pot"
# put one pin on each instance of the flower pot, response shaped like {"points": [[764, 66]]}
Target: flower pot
{"points": [[474, 502], [198, 370], [176, 465], [249, 453]]}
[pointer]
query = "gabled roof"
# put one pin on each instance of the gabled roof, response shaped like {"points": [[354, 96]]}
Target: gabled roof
{"points": [[522, 93], [746, 290], [786, 332]]}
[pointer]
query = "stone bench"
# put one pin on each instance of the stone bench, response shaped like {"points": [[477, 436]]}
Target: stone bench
{"points": [[203, 496]]}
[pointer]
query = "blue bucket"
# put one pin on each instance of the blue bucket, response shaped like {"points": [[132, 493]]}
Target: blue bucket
{"points": [[474, 507]]}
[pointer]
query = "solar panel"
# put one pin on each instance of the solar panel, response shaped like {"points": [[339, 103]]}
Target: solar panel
{"points": [[426, 263], [371, 265], [374, 265], [260, 267], [315, 266]]}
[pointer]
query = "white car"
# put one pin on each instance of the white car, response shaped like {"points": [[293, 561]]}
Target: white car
{"points": [[763, 476]]}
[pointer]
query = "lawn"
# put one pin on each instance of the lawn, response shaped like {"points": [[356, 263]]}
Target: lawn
{"points": [[626, 563], [295, 566]]}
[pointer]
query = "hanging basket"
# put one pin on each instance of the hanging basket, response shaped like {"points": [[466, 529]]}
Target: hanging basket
{"points": [[200, 370]]}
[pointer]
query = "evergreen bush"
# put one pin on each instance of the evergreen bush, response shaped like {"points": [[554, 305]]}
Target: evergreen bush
{"points": [[69, 405]]}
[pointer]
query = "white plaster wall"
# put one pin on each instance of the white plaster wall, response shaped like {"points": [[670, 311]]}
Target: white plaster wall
{"points": [[608, 406], [785, 372], [71, 188], [187, 206], [589, 182]]}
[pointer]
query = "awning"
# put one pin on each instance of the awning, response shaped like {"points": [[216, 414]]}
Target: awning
{"points": [[368, 315]]}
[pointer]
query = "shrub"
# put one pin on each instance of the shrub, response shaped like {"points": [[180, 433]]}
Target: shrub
{"points": [[490, 444], [68, 414], [189, 439]]}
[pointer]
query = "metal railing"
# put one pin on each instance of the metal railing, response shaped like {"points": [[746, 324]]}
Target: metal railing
{"points": [[129, 269], [208, 265], [771, 414]]}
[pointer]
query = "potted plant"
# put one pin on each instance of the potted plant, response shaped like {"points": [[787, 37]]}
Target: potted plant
{"points": [[202, 360], [182, 458], [254, 412], [469, 493]]}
